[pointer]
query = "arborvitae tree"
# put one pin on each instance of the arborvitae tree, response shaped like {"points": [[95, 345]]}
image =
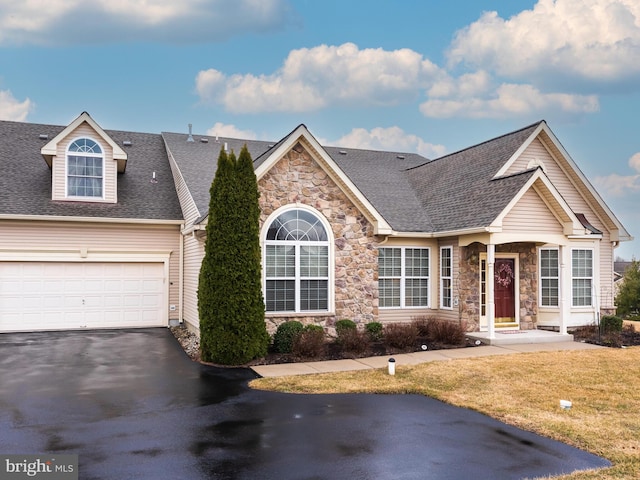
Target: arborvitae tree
{"points": [[232, 328], [628, 297]]}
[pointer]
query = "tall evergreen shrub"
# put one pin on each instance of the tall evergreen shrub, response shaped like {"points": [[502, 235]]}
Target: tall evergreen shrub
{"points": [[232, 328]]}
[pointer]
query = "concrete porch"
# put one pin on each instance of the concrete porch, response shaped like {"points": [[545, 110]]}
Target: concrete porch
{"points": [[515, 337]]}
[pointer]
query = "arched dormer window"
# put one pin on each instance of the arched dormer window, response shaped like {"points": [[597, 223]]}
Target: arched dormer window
{"points": [[297, 263], [85, 169]]}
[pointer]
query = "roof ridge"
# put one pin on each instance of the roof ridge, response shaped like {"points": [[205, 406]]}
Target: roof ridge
{"points": [[535, 124]]}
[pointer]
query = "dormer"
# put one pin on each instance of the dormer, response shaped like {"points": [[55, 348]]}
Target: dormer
{"points": [[84, 163]]}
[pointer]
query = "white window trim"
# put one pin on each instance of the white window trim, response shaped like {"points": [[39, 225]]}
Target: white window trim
{"points": [[403, 278], [442, 277], [331, 260], [66, 169], [540, 305], [592, 278]]}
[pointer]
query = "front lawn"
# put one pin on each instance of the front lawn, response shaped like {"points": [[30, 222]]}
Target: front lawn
{"points": [[523, 390]]}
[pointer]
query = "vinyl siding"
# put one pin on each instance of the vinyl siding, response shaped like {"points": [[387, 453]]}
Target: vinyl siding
{"points": [[561, 179], [531, 214], [193, 255], [77, 239], [59, 174]]}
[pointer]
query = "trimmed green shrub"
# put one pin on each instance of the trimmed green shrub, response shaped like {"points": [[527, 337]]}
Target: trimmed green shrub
{"points": [[374, 330], [611, 323], [285, 335], [345, 325], [310, 343], [401, 335]]}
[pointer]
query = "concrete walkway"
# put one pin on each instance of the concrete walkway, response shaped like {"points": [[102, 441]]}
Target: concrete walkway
{"points": [[306, 368]]}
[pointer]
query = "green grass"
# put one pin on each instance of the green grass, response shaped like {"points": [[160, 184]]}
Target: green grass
{"points": [[523, 390]]}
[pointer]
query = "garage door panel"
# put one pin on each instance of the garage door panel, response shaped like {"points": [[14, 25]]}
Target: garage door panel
{"points": [[55, 296]]}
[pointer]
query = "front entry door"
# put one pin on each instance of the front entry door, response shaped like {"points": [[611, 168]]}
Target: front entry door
{"points": [[505, 292]]}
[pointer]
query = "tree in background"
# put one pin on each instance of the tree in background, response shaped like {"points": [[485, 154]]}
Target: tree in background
{"points": [[628, 297], [232, 327]]}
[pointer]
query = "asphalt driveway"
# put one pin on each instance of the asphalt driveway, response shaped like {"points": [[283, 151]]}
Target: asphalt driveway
{"points": [[132, 405]]}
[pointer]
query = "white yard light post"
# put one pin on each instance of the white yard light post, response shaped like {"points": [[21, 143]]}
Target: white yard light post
{"points": [[392, 366]]}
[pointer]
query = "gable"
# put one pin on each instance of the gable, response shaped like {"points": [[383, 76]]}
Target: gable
{"points": [[59, 166], [543, 150], [299, 141], [531, 214]]}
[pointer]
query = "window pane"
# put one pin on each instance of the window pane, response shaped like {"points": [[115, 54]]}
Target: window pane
{"points": [[582, 263], [416, 292], [314, 261], [297, 225], [445, 262], [389, 293], [417, 262], [581, 292], [281, 261], [549, 263], [446, 292], [313, 295], [390, 262], [280, 296], [550, 292]]}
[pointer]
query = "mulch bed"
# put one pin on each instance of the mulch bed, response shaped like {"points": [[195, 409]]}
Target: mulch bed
{"points": [[191, 345], [628, 337]]}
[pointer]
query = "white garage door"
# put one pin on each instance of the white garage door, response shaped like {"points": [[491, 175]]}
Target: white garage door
{"points": [[60, 296]]}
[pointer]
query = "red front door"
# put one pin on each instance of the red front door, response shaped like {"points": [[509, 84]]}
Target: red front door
{"points": [[504, 290]]}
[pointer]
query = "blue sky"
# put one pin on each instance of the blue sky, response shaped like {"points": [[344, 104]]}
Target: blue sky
{"points": [[415, 75]]}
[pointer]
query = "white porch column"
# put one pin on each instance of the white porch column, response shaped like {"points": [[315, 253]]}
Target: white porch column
{"points": [[566, 290], [491, 305]]}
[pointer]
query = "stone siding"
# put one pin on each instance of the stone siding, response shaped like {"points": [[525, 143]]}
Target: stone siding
{"points": [[297, 178], [470, 283]]}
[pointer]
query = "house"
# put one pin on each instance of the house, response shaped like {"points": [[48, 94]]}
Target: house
{"points": [[106, 229]]}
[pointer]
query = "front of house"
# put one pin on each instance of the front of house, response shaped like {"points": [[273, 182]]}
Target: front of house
{"points": [[105, 229]]}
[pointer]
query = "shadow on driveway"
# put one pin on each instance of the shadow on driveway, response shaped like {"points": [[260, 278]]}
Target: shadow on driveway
{"points": [[132, 405]]}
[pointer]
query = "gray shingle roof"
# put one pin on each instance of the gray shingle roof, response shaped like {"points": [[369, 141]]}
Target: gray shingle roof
{"points": [[25, 178], [413, 194], [197, 161], [458, 190]]}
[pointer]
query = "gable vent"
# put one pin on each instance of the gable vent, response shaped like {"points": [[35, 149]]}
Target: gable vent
{"points": [[126, 143], [43, 136]]}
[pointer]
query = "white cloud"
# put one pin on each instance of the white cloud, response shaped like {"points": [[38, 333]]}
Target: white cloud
{"points": [[392, 139], [230, 131], [621, 185], [313, 78], [508, 100], [47, 22], [594, 41], [13, 109]]}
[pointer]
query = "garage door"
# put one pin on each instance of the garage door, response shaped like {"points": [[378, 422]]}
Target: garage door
{"points": [[60, 296]]}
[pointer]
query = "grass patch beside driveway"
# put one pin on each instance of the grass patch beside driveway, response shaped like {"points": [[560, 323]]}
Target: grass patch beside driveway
{"points": [[523, 390]]}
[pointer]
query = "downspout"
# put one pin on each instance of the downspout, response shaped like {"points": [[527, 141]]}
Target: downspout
{"points": [[181, 278]]}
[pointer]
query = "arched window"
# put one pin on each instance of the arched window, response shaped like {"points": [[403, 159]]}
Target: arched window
{"points": [[85, 172], [297, 263]]}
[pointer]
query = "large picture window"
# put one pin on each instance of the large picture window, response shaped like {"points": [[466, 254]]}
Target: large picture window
{"points": [[297, 263], [85, 172], [446, 277], [549, 277], [403, 277], [582, 277]]}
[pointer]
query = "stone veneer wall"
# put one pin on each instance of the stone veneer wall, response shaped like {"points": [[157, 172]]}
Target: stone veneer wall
{"points": [[470, 283], [297, 178]]}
